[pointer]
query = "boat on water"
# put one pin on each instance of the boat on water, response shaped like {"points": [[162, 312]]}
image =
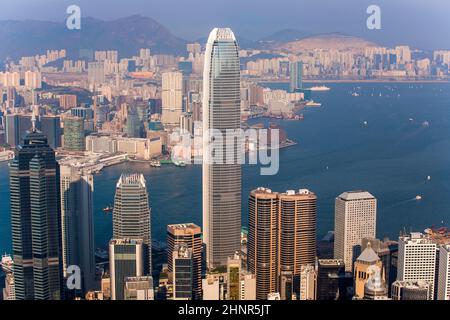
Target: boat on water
{"points": [[319, 88], [418, 197], [179, 163], [108, 209], [155, 164], [355, 94], [312, 103]]}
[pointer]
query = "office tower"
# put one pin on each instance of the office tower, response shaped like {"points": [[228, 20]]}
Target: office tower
{"points": [[51, 128], [190, 235], [330, 277], [139, 288], [183, 272], [444, 273], [221, 182], [67, 101], [82, 112], [417, 259], [74, 139], [308, 283], [131, 214], [262, 244], [411, 290], [134, 125], [296, 75], [16, 127], [105, 286], [172, 97], [375, 287], [36, 219], [126, 259], [355, 218], [363, 263], [77, 187], [297, 240]]}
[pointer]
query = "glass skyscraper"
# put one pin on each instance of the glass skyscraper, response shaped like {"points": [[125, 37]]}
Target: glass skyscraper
{"points": [[36, 220], [221, 181], [131, 214]]}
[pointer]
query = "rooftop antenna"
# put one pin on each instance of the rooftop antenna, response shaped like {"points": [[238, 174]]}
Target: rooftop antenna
{"points": [[33, 123]]}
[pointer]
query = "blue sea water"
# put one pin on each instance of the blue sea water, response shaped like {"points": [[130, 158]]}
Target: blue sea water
{"points": [[390, 157]]}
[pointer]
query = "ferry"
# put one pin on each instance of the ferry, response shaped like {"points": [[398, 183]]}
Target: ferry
{"points": [[179, 163], [313, 104], [320, 88], [108, 209], [155, 164]]}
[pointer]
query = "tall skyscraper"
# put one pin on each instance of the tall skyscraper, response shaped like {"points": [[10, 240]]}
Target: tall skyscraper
{"points": [[74, 139], [190, 235], [262, 244], [182, 263], [297, 232], [296, 75], [126, 259], [417, 259], [355, 218], [281, 239], [77, 189], [131, 214], [221, 182], [36, 219], [444, 273], [172, 97]]}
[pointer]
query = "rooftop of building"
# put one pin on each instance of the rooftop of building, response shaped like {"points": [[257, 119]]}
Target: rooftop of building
{"points": [[356, 195], [131, 179], [183, 228], [221, 34], [440, 235], [125, 241], [368, 255]]}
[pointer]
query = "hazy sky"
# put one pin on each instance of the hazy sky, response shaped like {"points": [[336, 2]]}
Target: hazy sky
{"points": [[420, 23]]}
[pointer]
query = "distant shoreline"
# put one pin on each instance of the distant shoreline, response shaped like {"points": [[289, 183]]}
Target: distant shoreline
{"points": [[362, 81]]}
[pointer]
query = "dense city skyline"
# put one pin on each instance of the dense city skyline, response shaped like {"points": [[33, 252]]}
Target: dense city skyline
{"points": [[141, 166]]}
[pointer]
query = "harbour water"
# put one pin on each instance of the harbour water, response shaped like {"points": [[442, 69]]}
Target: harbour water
{"points": [[387, 139]]}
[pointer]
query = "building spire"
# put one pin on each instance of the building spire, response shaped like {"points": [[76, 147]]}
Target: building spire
{"points": [[33, 123]]}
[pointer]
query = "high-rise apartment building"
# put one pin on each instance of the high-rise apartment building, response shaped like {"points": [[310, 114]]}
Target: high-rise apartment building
{"points": [[190, 235], [126, 259], [417, 259], [221, 181], [172, 97], [36, 220], [131, 213], [77, 217], [355, 218]]}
